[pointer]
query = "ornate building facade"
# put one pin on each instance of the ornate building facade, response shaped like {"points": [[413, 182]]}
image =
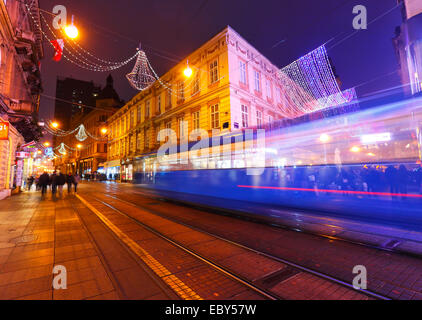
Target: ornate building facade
{"points": [[20, 80], [232, 87], [20, 53]]}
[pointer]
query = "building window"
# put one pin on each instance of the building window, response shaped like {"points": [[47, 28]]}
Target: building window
{"points": [[245, 116], [278, 90], [268, 85], [182, 127], [132, 118], [168, 98], [214, 71], [270, 122], [215, 117], [159, 104], [257, 81], [196, 84], [259, 119], [138, 114], [138, 141], [181, 90], [242, 68], [147, 106], [195, 120], [167, 125], [146, 140]]}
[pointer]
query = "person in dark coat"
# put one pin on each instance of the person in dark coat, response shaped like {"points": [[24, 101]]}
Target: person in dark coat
{"points": [[391, 175], [403, 180], [76, 179], [69, 180], [31, 180], [61, 180], [44, 181], [54, 181]]}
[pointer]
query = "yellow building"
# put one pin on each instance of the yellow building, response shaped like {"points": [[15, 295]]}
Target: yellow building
{"points": [[232, 87]]}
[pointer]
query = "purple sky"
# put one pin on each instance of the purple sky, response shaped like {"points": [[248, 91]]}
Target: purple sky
{"points": [[111, 29]]}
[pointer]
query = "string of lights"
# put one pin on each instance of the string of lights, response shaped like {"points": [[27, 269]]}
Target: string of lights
{"points": [[84, 60], [310, 84], [81, 133]]}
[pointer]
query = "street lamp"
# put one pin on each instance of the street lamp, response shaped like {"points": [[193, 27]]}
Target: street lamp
{"points": [[104, 130], [46, 144], [71, 31], [79, 146], [324, 138], [188, 71], [55, 125]]}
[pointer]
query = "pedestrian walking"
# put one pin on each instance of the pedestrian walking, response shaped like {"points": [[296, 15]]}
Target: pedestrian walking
{"points": [[391, 175], [76, 179], [403, 180], [44, 181], [37, 183], [61, 180], [54, 181], [30, 182], [69, 181]]}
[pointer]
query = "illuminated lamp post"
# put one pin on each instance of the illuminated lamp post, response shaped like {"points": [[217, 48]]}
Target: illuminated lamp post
{"points": [[71, 31], [188, 71]]}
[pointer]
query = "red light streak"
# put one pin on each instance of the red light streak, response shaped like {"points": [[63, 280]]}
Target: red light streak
{"points": [[336, 191]]}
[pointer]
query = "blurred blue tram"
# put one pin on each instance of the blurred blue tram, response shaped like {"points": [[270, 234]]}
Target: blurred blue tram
{"points": [[364, 165]]}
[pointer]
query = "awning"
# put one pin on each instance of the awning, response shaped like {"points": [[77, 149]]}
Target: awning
{"points": [[114, 163]]}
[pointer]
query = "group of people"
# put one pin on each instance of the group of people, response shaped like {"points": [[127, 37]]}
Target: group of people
{"points": [[56, 180], [394, 179]]}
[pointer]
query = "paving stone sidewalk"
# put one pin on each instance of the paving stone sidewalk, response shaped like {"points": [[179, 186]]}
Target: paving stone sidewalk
{"points": [[35, 236]]}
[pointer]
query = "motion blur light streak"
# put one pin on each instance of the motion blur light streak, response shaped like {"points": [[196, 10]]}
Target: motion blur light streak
{"points": [[337, 191], [376, 137]]}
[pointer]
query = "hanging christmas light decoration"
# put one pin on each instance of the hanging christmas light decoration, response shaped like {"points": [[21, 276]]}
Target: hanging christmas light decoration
{"points": [[62, 149], [77, 59], [81, 135], [310, 84], [141, 76]]}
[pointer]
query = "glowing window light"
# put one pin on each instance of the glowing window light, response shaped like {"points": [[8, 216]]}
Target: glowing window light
{"points": [[374, 138], [324, 138]]}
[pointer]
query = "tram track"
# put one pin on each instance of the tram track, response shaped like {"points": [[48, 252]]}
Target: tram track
{"points": [[260, 286], [260, 291]]}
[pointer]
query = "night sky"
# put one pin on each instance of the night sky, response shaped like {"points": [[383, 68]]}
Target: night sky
{"points": [[171, 29]]}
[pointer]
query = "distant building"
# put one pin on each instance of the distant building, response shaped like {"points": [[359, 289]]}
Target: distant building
{"points": [[90, 153], [408, 46], [71, 95]]}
